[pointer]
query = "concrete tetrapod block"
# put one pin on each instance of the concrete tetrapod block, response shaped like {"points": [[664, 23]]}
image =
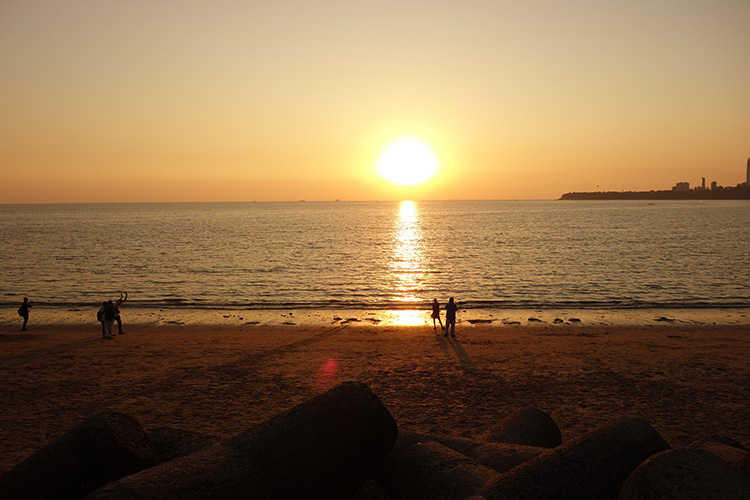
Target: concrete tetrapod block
{"points": [[462, 445], [502, 457], [686, 474], [169, 443], [498, 456], [372, 490], [717, 438], [431, 471], [730, 454], [102, 448], [528, 426], [323, 448], [384, 473], [594, 465], [744, 465]]}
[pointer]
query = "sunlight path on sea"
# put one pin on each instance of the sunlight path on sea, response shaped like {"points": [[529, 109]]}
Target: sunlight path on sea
{"points": [[407, 263]]}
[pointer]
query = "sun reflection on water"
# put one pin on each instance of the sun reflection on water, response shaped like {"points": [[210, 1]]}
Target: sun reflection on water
{"points": [[406, 318], [407, 264]]}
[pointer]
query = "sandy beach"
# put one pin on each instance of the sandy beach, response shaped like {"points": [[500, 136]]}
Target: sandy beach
{"points": [[687, 380]]}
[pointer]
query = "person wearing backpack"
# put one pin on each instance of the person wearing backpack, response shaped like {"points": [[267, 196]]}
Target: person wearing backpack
{"points": [[23, 311]]}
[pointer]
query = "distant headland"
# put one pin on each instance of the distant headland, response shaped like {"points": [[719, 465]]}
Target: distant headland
{"points": [[680, 191]]}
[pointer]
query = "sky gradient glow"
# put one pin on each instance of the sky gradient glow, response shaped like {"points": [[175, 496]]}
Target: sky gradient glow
{"points": [[286, 100]]}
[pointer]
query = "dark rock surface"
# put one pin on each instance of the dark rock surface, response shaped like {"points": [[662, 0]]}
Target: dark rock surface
{"points": [[372, 490], [503, 457], [431, 471], [686, 474], [344, 444], [726, 449], [323, 448], [528, 426], [594, 465], [168, 443], [102, 448]]}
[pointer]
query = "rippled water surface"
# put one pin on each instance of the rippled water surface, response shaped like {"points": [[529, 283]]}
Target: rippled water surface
{"points": [[380, 255]]}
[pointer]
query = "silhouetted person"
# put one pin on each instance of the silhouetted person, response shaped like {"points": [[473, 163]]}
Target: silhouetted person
{"points": [[436, 314], [23, 311], [117, 305], [109, 318], [100, 318], [450, 317]]}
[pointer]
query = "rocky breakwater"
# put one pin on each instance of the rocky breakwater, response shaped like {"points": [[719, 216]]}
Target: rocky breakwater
{"points": [[344, 444]]}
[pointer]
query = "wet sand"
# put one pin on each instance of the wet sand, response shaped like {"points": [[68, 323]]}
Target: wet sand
{"points": [[687, 380]]}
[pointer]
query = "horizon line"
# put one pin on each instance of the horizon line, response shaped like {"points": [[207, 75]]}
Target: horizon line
{"points": [[272, 201]]}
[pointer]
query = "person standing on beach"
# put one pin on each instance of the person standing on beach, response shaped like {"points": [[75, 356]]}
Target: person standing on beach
{"points": [[117, 305], [109, 319], [450, 317], [100, 318], [436, 314], [23, 311]]}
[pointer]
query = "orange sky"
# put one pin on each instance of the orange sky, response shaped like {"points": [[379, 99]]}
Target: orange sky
{"points": [[287, 100]]}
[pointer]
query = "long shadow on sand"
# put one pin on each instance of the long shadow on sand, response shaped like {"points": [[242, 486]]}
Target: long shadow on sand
{"points": [[452, 347]]}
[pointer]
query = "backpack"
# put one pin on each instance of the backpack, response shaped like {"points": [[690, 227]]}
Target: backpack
{"points": [[100, 314], [20, 311]]}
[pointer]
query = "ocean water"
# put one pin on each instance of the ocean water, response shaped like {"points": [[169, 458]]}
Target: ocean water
{"points": [[380, 255]]}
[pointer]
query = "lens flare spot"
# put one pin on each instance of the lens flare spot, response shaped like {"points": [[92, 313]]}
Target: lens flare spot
{"points": [[326, 375]]}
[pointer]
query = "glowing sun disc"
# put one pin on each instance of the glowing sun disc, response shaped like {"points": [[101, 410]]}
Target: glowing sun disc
{"points": [[407, 162]]}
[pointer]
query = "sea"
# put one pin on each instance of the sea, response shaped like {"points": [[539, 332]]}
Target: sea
{"points": [[379, 256]]}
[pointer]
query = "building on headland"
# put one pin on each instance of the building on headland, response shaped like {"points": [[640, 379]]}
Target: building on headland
{"points": [[680, 191]]}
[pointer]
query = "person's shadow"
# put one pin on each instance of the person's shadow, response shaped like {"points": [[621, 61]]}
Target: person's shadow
{"points": [[448, 344]]}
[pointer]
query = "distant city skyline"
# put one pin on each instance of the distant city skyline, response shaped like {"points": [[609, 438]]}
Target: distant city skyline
{"points": [[686, 185], [681, 190]]}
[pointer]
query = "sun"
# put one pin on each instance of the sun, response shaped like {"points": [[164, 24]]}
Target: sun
{"points": [[407, 161]]}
